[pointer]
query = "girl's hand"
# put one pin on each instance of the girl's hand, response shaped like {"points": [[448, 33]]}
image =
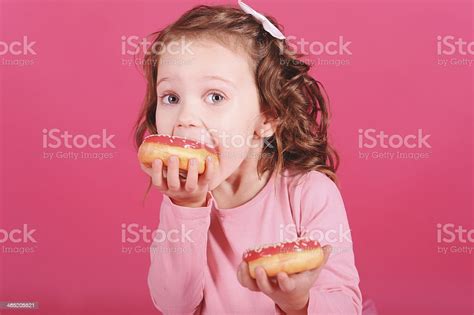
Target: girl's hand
{"points": [[289, 292], [189, 192]]}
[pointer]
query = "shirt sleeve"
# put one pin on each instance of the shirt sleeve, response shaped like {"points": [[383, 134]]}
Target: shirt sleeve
{"points": [[322, 216], [178, 257]]}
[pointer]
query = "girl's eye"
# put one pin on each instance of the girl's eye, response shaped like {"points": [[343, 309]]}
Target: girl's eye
{"points": [[215, 98], [169, 99]]}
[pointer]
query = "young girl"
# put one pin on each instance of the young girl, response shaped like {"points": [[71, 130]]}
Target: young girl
{"points": [[227, 77]]}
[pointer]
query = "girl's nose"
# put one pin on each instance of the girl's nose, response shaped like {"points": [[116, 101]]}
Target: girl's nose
{"points": [[188, 117]]}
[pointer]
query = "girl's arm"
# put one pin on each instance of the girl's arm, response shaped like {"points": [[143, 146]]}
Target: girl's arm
{"points": [[336, 291], [178, 261]]}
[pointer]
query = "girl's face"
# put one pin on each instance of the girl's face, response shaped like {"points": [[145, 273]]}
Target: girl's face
{"points": [[206, 92]]}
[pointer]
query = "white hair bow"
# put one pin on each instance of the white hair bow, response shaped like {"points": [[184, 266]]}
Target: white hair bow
{"points": [[267, 25]]}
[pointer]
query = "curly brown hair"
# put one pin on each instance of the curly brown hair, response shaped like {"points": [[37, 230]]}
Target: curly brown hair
{"points": [[288, 93]]}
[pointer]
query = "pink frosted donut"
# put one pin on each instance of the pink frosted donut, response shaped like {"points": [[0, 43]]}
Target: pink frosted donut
{"points": [[162, 146], [290, 257]]}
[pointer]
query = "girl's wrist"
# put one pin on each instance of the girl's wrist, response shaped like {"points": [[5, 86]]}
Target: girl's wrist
{"points": [[189, 204], [192, 204], [297, 307]]}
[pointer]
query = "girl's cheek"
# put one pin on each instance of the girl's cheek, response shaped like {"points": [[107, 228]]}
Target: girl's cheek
{"points": [[164, 122]]}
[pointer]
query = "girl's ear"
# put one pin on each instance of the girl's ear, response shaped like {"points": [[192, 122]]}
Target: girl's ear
{"points": [[266, 127]]}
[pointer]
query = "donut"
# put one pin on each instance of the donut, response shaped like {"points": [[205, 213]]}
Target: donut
{"points": [[290, 257], [159, 146]]}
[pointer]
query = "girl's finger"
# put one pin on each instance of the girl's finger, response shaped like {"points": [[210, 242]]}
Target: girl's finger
{"points": [[285, 283], [172, 176], [327, 249], [239, 275], [147, 170], [157, 173], [208, 172], [245, 279], [262, 281], [192, 176]]}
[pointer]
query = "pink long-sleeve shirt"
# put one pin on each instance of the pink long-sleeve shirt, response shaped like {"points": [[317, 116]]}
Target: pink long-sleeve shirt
{"points": [[193, 271]]}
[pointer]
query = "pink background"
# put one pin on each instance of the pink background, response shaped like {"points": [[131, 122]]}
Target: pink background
{"points": [[78, 83]]}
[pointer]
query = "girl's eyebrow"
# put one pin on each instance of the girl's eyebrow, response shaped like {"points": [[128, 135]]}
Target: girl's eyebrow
{"points": [[216, 77], [162, 80]]}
